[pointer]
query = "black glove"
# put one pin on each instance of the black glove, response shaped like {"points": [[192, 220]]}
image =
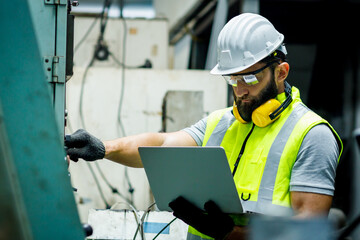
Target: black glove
{"points": [[212, 222], [83, 145]]}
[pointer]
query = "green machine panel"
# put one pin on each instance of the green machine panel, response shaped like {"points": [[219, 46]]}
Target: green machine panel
{"points": [[36, 199], [49, 19]]}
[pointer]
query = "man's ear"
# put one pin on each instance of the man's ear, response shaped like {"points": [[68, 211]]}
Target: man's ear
{"points": [[282, 71]]}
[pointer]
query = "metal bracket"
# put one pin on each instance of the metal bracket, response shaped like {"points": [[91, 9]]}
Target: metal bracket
{"points": [[54, 69], [55, 2], [58, 75], [48, 65]]}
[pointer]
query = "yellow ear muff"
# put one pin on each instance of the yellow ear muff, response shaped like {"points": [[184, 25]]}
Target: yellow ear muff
{"points": [[237, 114], [269, 111], [261, 115]]}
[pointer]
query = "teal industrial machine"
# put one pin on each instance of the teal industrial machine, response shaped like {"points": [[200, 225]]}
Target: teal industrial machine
{"points": [[36, 197]]}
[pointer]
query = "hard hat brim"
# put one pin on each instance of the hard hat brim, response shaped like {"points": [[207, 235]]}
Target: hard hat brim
{"points": [[217, 71], [278, 46]]}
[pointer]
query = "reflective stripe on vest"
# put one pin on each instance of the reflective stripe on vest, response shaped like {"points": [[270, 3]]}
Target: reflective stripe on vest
{"points": [[219, 132], [266, 189], [194, 235], [271, 196], [264, 203]]}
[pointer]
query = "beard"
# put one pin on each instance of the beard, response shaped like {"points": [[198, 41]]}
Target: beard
{"points": [[246, 108]]}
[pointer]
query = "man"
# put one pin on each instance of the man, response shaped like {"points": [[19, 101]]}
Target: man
{"points": [[282, 155]]}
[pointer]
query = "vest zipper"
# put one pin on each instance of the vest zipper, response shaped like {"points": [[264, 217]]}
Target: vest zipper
{"points": [[242, 149]]}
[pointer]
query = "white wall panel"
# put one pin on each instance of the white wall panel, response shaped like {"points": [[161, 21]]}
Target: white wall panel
{"points": [[143, 95], [145, 39]]}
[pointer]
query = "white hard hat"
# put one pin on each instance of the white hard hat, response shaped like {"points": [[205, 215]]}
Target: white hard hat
{"points": [[244, 41]]}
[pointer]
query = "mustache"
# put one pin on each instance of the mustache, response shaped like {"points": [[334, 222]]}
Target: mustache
{"points": [[239, 99]]}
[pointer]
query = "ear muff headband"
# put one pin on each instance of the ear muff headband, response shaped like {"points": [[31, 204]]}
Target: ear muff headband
{"points": [[267, 112], [275, 114]]}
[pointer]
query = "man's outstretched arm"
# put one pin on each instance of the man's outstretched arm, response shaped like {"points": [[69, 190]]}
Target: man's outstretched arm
{"points": [[82, 144], [125, 150]]}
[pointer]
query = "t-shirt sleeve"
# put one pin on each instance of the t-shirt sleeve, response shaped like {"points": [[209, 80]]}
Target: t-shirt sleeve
{"points": [[197, 131], [315, 167]]}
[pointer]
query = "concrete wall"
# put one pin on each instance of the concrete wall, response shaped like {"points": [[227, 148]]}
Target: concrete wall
{"points": [[144, 39], [144, 90]]}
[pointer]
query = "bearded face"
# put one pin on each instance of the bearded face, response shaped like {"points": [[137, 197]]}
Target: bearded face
{"points": [[247, 104]]}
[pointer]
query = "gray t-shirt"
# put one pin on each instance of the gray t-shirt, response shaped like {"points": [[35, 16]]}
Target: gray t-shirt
{"points": [[315, 166]]}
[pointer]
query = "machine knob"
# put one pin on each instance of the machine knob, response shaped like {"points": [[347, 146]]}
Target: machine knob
{"points": [[75, 3], [87, 229]]}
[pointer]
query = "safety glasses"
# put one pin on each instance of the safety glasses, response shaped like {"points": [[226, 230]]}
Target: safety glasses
{"points": [[250, 78]]}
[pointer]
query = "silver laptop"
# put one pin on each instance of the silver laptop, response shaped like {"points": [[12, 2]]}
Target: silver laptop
{"points": [[198, 174]]}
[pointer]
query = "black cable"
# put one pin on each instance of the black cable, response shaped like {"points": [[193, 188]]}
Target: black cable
{"points": [[120, 124], [82, 92], [85, 35], [348, 230], [82, 120], [84, 127], [69, 125], [70, 129], [113, 189], [130, 189], [104, 16], [103, 22], [140, 226], [147, 63], [121, 8], [98, 186], [142, 220], [101, 47], [164, 228], [122, 78]]}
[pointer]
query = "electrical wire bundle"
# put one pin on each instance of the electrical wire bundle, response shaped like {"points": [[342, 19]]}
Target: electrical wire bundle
{"points": [[101, 53], [140, 221]]}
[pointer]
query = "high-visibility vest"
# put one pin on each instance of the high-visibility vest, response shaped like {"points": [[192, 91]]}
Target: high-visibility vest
{"points": [[262, 176]]}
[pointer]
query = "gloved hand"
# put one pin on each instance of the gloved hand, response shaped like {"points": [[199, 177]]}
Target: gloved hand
{"points": [[83, 145], [212, 222]]}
